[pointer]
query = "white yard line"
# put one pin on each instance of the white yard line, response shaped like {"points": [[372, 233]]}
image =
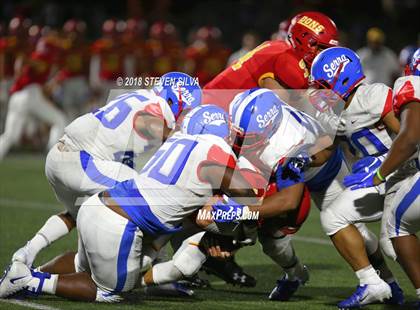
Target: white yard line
{"points": [[11, 202], [28, 304], [312, 240]]}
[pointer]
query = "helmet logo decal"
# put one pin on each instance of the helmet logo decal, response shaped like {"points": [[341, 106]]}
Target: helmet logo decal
{"points": [[268, 117], [184, 94], [311, 24], [216, 119], [332, 68]]}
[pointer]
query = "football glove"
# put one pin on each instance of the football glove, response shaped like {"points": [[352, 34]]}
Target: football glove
{"points": [[359, 180], [366, 164]]}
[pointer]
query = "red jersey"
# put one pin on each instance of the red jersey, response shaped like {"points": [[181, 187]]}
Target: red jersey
{"points": [[164, 56], [75, 61], [36, 71], [406, 90], [11, 49], [111, 58], [274, 59]]}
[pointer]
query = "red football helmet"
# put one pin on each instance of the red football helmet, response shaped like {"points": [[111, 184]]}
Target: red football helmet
{"points": [[311, 32]]}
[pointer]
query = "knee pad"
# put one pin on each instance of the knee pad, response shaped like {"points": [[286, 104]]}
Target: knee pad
{"points": [[275, 246], [387, 247], [280, 250], [371, 241], [189, 258]]}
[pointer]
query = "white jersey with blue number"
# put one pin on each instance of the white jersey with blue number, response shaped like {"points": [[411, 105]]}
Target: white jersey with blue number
{"points": [[108, 132], [361, 120], [170, 182], [297, 131]]}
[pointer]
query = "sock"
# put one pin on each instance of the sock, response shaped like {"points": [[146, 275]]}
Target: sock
{"points": [[53, 229], [390, 280], [295, 271], [165, 273], [368, 275], [418, 293], [43, 282]]}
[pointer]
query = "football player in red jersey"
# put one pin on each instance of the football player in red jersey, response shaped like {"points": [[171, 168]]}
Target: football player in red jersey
{"points": [[279, 64], [13, 49], [133, 42], [275, 65], [70, 83], [206, 56], [165, 51], [28, 99], [107, 60]]}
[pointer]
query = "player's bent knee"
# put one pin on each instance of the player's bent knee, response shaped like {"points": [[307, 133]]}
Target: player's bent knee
{"points": [[189, 258], [274, 247]]}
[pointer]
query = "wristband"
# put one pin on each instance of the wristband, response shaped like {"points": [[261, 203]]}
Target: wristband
{"points": [[380, 177]]}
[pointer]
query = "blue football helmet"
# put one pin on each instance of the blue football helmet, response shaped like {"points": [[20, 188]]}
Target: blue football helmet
{"points": [[180, 90], [255, 115], [206, 119], [413, 67], [338, 69]]}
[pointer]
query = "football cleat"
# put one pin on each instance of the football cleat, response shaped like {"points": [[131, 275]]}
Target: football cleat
{"points": [[107, 297], [285, 288], [35, 287], [229, 271], [397, 294], [23, 255], [366, 294], [15, 279], [195, 282]]}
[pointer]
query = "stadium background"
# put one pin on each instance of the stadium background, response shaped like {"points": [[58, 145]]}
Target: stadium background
{"points": [[26, 199], [398, 18]]}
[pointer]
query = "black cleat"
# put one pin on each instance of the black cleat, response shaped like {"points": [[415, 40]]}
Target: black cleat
{"points": [[229, 271], [195, 282]]}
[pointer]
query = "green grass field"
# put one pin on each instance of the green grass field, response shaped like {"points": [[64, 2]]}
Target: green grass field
{"points": [[26, 201]]}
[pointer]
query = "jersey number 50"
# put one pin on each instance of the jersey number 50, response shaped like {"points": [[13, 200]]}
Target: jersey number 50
{"points": [[166, 165]]}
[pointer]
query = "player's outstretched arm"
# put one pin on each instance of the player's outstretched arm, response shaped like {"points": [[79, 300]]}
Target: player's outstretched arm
{"points": [[283, 201], [405, 144], [228, 181]]}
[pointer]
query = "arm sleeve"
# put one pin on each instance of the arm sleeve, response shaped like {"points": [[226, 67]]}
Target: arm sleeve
{"points": [[406, 89]]}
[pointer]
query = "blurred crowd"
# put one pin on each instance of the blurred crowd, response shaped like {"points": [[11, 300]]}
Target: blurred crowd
{"points": [[77, 70], [76, 73]]}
